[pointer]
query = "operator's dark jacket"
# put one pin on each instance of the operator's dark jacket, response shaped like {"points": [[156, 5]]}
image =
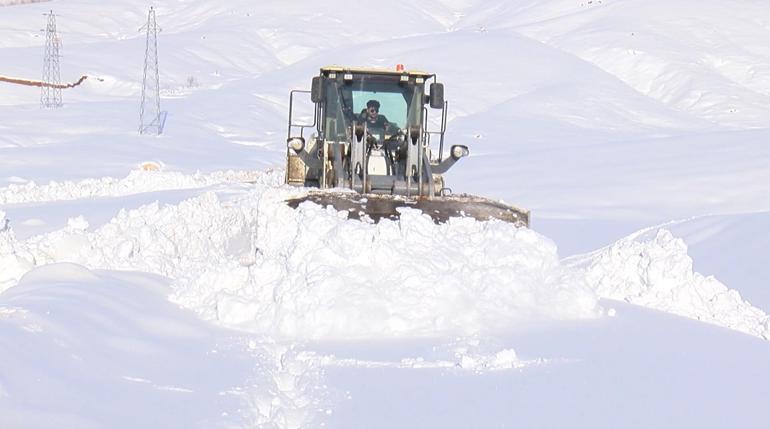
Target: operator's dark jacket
{"points": [[381, 123]]}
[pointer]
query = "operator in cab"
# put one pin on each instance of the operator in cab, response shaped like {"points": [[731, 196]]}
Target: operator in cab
{"points": [[375, 121]]}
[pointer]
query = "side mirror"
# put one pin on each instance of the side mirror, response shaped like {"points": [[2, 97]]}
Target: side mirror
{"points": [[317, 90], [437, 95]]}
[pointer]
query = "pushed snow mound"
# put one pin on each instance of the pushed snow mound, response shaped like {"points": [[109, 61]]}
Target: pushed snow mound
{"points": [[317, 274], [243, 257], [137, 181], [656, 272], [248, 260], [14, 258]]}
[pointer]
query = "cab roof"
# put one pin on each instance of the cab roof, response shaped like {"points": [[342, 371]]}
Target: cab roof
{"points": [[377, 71]]}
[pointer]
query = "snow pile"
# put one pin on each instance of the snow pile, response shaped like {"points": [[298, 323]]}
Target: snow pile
{"points": [[137, 181], [657, 273], [317, 274], [14, 259], [311, 273], [246, 259]]}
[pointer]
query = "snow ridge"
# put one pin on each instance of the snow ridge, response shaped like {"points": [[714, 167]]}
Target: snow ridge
{"points": [[254, 263], [137, 181], [246, 259], [658, 273], [333, 278]]}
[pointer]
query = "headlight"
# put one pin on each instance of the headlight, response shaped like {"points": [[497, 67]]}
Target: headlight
{"points": [[459, 151], [296, 143]]}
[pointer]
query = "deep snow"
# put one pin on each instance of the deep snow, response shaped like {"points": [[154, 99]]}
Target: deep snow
{"points": [[634, 131]]}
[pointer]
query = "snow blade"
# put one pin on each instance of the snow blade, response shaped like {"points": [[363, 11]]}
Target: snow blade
{"points": [[439, 209]]}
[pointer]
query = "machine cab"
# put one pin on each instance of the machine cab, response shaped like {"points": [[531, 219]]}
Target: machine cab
{"points": [[397, 98], [371, 132]]}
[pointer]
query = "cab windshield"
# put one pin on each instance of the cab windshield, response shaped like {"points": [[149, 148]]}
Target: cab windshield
{"points": [[392, 105], [400, 103]]}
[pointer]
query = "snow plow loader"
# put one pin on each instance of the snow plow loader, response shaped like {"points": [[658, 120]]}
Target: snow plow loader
{"points": [[369, 150]]}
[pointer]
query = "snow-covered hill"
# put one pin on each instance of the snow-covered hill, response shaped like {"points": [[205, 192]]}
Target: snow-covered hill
{"points": [[187, 294]]}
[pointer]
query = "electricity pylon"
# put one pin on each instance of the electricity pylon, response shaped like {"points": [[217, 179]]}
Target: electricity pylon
{"points": [[149, 111], [50, 95]]}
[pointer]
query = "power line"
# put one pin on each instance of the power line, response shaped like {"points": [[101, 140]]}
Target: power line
{"points": [[149, 110], [50, 91]]}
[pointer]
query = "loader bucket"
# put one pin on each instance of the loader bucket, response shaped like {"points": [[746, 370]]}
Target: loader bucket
{"points": [[440, 209]]}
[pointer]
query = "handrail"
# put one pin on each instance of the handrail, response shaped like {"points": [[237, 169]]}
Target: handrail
{"points": [[291, 108]]}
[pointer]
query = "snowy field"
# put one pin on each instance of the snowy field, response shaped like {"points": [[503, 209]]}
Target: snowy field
{"points": [[189, 295]]}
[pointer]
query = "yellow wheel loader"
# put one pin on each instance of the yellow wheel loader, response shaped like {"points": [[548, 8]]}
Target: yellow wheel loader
{"points": [[369, 147]]}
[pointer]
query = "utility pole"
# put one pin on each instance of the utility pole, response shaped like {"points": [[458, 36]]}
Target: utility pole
{"points": [[50, 95], [149, 111]]}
